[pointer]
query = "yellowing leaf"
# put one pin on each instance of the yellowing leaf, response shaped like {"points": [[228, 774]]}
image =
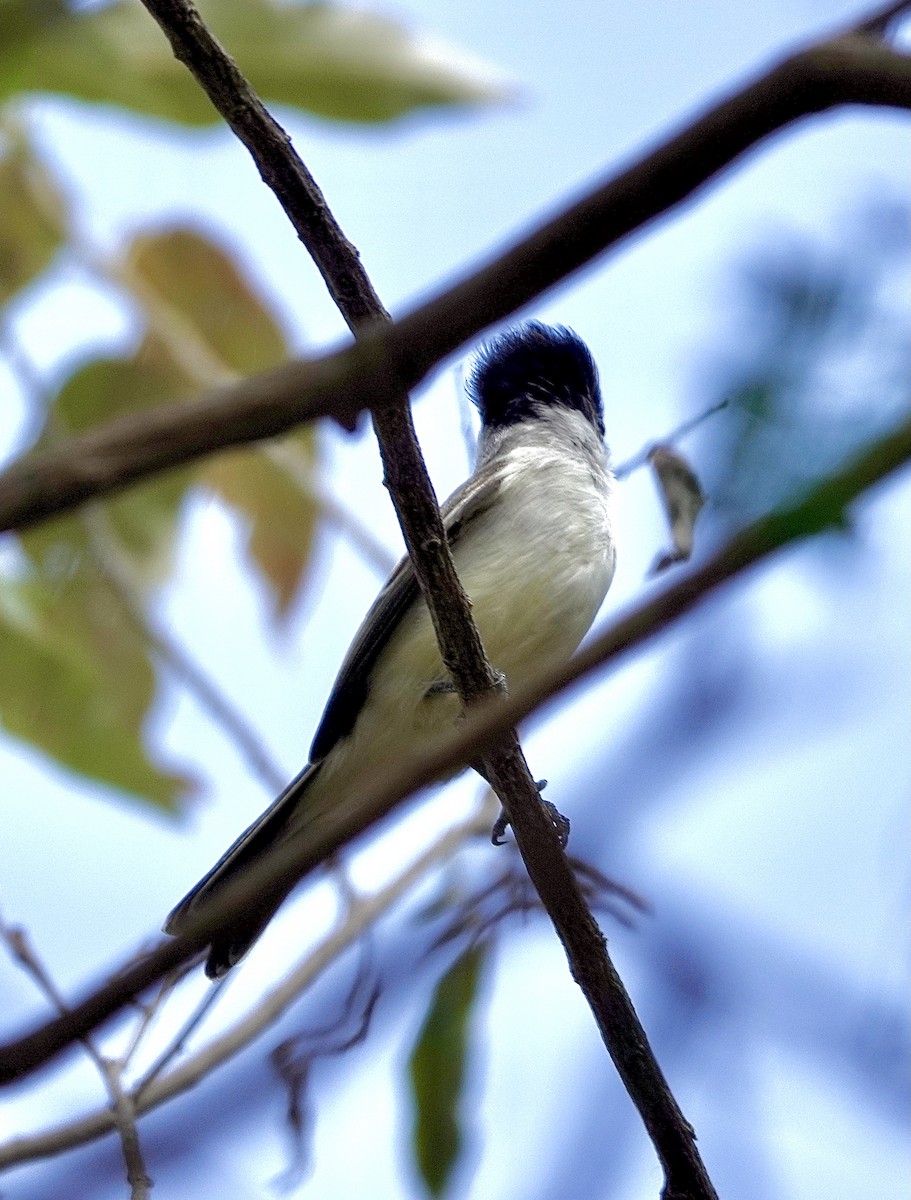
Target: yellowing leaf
{"points": [[336, 61], [224, 319], [77, 683], [281, 515], [31, 217], [212, 313], [201, 283]]}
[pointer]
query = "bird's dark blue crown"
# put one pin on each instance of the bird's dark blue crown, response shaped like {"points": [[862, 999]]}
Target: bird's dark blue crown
{"points": [[524, 371]]}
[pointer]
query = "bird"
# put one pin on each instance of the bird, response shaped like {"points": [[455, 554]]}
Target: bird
{"points": [[531, 534]]}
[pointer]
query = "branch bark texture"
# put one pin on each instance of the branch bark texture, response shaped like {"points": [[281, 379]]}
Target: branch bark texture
{"points": [[822, 508], [386, 362], [851, 69], [409, 485]]}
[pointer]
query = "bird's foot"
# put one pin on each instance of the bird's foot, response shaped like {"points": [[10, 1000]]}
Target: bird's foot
{"points": [[560, 823]]}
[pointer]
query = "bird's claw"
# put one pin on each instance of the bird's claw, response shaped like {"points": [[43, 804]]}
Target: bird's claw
{"points": [[500, 825], [560, 823]]}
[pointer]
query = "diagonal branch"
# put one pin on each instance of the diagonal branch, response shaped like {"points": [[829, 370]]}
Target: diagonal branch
{"points": [[339, 263], [851, 69], [393, 360], [823, 507], [115, 570], [462, 651]]}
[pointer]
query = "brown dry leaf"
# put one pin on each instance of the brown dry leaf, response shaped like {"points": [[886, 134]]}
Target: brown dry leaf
{"points": [[683, 498]]}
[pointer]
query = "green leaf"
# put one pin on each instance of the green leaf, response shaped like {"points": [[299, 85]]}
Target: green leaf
{"points": [[106, 388], [281, 516], [114, 55], [437, 1069], [31, 216], [350, 64], [144, 520], [336, 61], [199, 282], [77, 683], [215, 323], [78, 677]]}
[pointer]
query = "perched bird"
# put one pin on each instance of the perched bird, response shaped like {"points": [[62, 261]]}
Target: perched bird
{"points": [[531, 537]]}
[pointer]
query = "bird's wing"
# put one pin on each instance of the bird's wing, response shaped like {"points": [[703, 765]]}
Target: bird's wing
{"points": [[348, 694], [399, 592], [252, 843]]}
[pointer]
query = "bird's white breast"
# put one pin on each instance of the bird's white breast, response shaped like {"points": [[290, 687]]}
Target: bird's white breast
{"points": [[536, 566]]}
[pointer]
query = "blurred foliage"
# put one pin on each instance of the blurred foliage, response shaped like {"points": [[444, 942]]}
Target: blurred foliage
{"points": [[80, 672], [203, 288], [281, 520], [79, 675], [821, 365], [337, 61], [437, 1069], [217, 323], [31, 215], [812, 353], [810, 344], [78, 682]]}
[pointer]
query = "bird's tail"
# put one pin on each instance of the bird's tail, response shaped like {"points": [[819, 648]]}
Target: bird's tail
{"points": [[231, 943]]}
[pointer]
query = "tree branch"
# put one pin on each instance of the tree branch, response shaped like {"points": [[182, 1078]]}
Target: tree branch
{"points": [[823, 507], [399, 357], [339, 263], [851, 69], [152, 1093], [122, 1111], [462, 651], [115, 570]]}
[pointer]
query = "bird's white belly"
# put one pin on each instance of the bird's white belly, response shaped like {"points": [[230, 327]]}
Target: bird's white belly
{"points": [[536, 566], [536, 578]]}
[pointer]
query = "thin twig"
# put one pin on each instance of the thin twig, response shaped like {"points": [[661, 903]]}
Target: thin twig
{"points": [[154, 1090], [467, 424], [150, 1010], [179, 1043], [117, 574], [823, 507], [122, 1111], [629, 465]]}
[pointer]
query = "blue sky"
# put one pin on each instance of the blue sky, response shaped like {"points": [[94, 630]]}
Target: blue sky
{"points": [[774, 844]]}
